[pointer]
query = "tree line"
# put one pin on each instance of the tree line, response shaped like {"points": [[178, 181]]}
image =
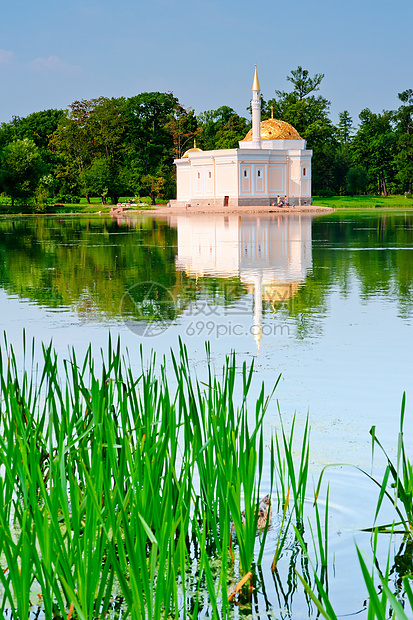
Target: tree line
{"points": [[111, 147]]}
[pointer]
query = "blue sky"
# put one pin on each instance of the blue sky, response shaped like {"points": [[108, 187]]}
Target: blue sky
{"points": [[53, 52]]}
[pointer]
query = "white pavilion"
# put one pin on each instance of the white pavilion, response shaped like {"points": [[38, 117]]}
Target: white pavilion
{"points": [[271, 161]]}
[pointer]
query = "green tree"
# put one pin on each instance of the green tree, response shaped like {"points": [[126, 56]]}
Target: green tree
{"points": [[92, 130], [97, 178], [108, 127], [21, 169], [373, 147], [183, 127], [38, 126], [404, 137], [309, 114], [154, 185], [149, 143], [234, 130], [9, 131], [324, 181], [303, 83], [73, 143], [220, 128], [345, 127], [342, 157], [45, 190], [356, 180]]}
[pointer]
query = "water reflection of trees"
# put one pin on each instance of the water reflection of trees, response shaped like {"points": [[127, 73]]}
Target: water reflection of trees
{"points": [[79, 262], [376, 250], [88, 263]]}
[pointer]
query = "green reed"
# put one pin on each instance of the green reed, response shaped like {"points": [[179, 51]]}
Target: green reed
{"points": [[381, 604], [397, 486], [293, 475], [397, 482], [118, 483], [320, 536]]}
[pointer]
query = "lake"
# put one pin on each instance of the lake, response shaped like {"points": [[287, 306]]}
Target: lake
{"points": [[326, 301]]}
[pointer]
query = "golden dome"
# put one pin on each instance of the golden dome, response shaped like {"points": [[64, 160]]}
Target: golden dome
{"points": [[272, 129], [193, 150]]}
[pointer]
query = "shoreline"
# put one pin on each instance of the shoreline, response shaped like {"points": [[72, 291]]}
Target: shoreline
{"points": [[165, 210]]}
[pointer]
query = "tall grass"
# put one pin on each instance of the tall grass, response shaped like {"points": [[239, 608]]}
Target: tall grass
{"points": [[293, 472], [396, 485], [116, 483], [116, 486], [397, 482]]}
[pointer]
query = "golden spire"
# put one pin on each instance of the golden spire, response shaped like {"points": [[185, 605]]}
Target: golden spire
{"points": [[256, 84], [272, 112]]}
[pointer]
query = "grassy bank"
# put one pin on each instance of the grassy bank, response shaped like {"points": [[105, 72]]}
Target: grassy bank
{"points": [[364, 202], [82, 206], [334, 202], [124, 496]]}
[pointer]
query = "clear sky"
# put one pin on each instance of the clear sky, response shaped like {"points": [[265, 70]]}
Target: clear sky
{"points": [[53, 52]]}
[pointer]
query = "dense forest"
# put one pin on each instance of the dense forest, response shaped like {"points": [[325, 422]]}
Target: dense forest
{"points": [[111, 147]]}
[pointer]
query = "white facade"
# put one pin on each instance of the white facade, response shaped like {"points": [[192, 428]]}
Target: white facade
{"points": [[244, 176], [256, 173]]}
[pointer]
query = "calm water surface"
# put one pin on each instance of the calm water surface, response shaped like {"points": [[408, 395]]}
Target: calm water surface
{"points": [[326, 301]]}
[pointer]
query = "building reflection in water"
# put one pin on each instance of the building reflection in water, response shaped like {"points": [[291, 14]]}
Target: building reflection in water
{"points": [[271, 255]]}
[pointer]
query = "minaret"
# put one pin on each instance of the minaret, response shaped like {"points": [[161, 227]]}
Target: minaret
{"points": [[256, 111]]}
